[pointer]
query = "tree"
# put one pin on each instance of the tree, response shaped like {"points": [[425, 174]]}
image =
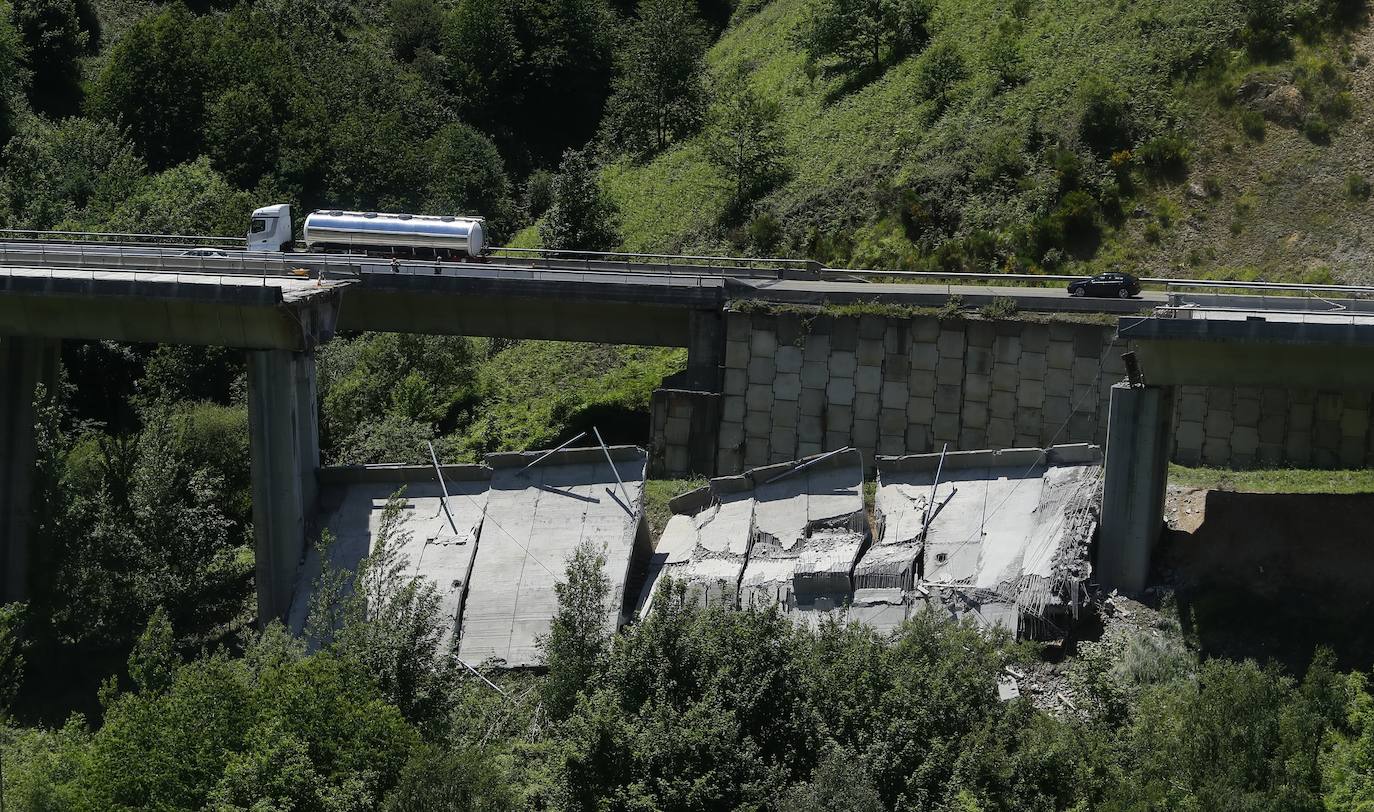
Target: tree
{"points": [[153, 663], [658, 95], [12, 645], [465, 779], [154, 85], [743, 140], [53, 34], [14, 77], [73, 172], [839, 784], [387, 624], [188, 199], [577, 636], [941, 68], [581, 217], [467, 177], [414, 26], [241, 134], [863, 33]]}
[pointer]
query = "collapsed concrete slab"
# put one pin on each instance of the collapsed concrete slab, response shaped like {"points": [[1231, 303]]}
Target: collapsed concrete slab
{"points": [[1002, 537], [705, 544], [535, 518], [785, 534], [809, 528], [434, 544]]}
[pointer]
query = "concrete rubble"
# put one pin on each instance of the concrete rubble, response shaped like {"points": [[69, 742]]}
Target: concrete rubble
{"points": [[785, 534], [515, 530], [1007, 536], [1003, 538]]}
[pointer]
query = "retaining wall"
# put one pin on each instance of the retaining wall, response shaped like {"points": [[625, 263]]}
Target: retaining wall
{"points": [[798, 384]]}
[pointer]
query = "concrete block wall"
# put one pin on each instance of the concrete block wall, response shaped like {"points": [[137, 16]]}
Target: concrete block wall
{"points": [[796, 385], [1241, 427]]}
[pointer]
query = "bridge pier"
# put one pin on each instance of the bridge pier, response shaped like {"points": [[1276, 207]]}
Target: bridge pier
{"points": [[685, 413], [1139, 439], [25, 364], [285, 447]]}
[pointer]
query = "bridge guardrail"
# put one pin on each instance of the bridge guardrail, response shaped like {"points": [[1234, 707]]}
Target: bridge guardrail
{"points": [[101, 259], [167, 258]]}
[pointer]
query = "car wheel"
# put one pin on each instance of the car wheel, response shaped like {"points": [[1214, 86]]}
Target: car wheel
{"points": [[1079, 292], [1123, 293]]}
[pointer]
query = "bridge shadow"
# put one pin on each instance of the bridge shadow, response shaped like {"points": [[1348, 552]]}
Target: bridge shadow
{"points": [[1273, 576]]}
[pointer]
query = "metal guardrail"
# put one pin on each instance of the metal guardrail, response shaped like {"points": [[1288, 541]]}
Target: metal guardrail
{"points": [[163, 258], [72, 260]]}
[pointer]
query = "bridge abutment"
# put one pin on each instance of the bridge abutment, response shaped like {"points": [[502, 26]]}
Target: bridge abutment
{"points": [[285, 447], [1139, 439], [26, 364]]}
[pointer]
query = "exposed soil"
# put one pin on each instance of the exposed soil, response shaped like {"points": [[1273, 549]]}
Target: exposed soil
{"points": [[1272, 576]]}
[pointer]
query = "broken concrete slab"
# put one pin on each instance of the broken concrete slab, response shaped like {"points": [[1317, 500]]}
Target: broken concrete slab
{"points": [[768, 536], [353, 501], [704, 545], [1002, 537], [535, 519]]}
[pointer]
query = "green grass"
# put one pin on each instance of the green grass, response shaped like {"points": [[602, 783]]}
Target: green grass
{"points": [[860, 158], [533, 393], [1279, 480], [658, 493]]}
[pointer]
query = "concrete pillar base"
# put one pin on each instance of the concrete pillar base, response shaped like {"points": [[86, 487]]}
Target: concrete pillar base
{"points": [[1139, 437], [285, 446], [25, 363]]}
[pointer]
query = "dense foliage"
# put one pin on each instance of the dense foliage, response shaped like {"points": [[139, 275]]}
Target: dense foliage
{"points": [[692, 709]]}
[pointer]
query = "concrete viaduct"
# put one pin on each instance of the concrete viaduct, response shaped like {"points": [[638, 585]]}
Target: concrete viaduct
{"points": [[279, 308]]}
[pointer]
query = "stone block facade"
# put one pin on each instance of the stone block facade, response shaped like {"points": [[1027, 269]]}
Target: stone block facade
{"points": [[795, 385], [907, 385]]}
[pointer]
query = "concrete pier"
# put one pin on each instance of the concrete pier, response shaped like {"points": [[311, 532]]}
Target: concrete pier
{"points": [[1139, 436], [25, 364], [285, 447]]}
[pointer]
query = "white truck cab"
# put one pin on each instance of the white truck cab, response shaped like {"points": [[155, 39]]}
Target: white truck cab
{"points": [[270, 229]]}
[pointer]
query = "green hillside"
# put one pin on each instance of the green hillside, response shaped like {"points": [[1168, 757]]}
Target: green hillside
{"points": [[1030, 135]]}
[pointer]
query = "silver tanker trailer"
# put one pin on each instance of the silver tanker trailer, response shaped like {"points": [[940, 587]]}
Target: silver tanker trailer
{"points": [[334, 230]]}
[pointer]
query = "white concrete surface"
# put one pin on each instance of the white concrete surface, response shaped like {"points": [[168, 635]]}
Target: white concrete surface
{"points": [[352, 514], [535, 520]]}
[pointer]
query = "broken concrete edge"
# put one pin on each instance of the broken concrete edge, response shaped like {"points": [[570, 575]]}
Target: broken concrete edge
{"points": [[568, 456], [695, 501], [1070, 454], [363, 474]]}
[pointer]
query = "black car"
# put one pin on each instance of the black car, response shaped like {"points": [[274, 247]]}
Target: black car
{"points": [[1115, 284]]}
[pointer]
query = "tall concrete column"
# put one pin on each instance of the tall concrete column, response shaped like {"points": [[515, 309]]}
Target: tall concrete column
{"points": [[1139, 435], [705, 352], [25, 363], [285, 447]]}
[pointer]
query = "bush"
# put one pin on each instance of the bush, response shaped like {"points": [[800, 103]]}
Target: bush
{"points": [[1164, 156], [1357, 186], [1316, 129], [1002, 307], [1252, 124]]}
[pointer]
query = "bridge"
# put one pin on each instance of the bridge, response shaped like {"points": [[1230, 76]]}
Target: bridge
{"points": [[757, 389]]}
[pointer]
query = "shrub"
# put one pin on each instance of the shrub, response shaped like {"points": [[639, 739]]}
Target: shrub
{"points": [[1164, 156], [1316, 129], [1153, 233], [1252, 124], [1356, 186], [1002, 307]]}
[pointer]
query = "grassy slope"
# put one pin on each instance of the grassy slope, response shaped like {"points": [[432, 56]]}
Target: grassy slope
{"points": [[844, 147], [1284, 480]]}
